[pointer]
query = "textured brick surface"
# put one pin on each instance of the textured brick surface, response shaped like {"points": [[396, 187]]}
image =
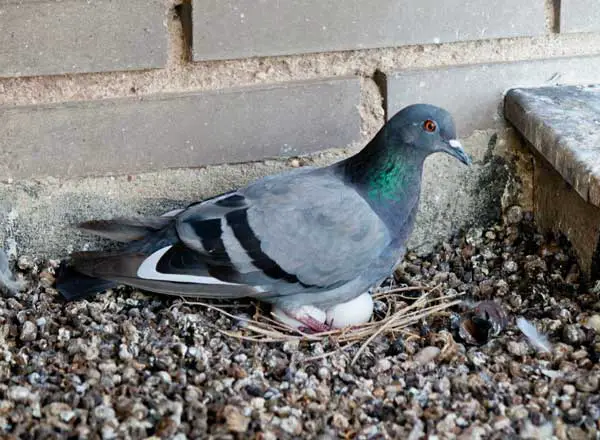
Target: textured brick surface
{"points": [[53, 37], [235, 29], [562, 124], [580, 16], [186, 130], [474, 93]]}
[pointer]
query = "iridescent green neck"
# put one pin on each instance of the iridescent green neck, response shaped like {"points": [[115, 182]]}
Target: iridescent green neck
{"points": [[383, 172], [390, 178]]}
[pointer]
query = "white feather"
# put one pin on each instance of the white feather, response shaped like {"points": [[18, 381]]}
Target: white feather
{"points": [[175, 212], [243, 263], [147, 271], [7, 279], [172, 213], [537, 339]]}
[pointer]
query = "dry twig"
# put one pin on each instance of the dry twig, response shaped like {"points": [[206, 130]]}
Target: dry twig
{"points": [[399, 316]]}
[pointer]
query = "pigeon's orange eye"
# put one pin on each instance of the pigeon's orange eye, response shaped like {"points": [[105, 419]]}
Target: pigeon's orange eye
{"points": [[429, 126]]}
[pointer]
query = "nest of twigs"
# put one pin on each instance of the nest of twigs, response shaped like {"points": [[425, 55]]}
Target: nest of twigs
{"points": [[402, 310]]}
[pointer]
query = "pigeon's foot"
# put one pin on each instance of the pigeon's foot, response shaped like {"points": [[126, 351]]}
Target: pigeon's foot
{"points": [[311, 319], [308, 319]]}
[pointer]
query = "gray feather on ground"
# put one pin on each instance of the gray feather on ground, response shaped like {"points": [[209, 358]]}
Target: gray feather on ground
{"points": [[7, 279], [537, 339]]}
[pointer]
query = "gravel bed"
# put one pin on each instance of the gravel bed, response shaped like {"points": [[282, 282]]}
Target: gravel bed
{"points": [[131, 365]]}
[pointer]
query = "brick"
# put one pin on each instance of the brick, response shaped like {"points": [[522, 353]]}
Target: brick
{"points": [[53, 37], [227, 29], [474, 93], [579, 16], [132, 135]]}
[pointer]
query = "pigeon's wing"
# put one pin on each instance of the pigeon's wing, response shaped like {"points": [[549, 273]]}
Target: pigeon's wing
{"points": [[304, 231], [307, 229]]}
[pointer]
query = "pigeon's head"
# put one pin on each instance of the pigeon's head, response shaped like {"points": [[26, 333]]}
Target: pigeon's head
{"points": [[428, 128]]}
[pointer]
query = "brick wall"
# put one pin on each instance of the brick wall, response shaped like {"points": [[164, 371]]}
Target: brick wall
{"points": [[115, 86]]}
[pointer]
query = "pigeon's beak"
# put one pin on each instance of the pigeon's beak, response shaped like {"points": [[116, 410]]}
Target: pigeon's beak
{"points": [[455, 148]]}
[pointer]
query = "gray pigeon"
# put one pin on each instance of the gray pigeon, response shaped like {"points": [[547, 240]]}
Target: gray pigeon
{"points": [[311, 241]]}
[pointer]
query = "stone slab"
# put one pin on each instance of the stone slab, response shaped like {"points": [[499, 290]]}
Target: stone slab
{"points": [[563, 124], [558, 208], [229, 29], [132, 135], [474, 93], [579, 16], [44, 37]]}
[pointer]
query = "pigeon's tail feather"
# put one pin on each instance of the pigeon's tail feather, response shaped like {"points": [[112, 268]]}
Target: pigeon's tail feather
{"points": [[74, 285], [126, 229], [92, 272]]}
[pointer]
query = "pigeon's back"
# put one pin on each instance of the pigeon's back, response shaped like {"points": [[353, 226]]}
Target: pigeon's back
{"points": [[300, 232]]}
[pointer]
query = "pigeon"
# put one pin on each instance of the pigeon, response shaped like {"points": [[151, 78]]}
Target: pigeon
{"points": [[311, 242]]}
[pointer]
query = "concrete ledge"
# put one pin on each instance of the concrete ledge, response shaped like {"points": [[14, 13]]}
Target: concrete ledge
{"points": [[559, 209], [563, 125], [131, 135]]}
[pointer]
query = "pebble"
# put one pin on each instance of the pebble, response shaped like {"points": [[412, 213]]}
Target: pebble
{"points": [[291, 346], [340, 421], [501, 288], [426, 355], [28, 332], [573, 334], [323, 373], [25, 262], [63, 335], [46, 279], [510, 266], [443, 385], [124, 353], [104, 412], [382, 366], [164, 377], [588, 383], [573, 415], [569, 390], [235, 419], [518, 348], [593, 322], [501, 423], [541, 388], [490, 235], [447, 424], [20, 394], [477, 358], [291, 425], [514, 215]]}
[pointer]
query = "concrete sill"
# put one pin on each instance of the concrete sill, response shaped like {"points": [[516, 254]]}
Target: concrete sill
{"points": [[562, 126]]}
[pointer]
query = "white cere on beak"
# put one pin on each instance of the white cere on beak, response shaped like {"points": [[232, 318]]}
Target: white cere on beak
{"points": [[455, 143]]}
